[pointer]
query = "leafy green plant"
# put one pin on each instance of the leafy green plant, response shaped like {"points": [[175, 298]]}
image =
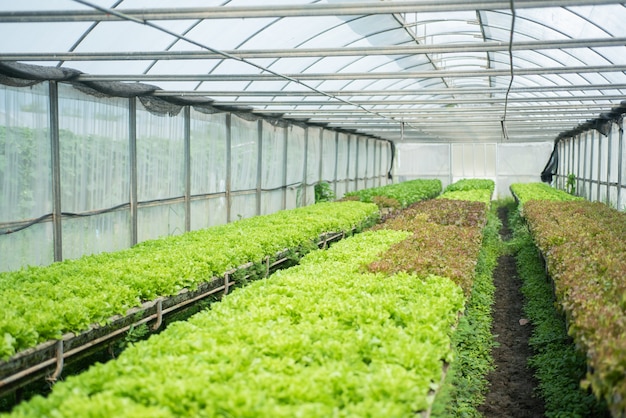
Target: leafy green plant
{"points": [[43, 303], [466, 382], [405, 193], [471, 184], [323, 192], [320, 339], [586, 257], [570, 186], [524, 192], [559, 366]]}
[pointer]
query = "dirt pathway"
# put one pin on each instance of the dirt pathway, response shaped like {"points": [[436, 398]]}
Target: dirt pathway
{"points": [[511, 384]]}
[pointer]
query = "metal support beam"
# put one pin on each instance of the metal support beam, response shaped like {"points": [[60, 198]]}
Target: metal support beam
{"points": [[488, 46], [386, 93], [304, 10], [259, 166], [187, 172], [229, 165], [355, 76], [132, 161], [55, 149]]}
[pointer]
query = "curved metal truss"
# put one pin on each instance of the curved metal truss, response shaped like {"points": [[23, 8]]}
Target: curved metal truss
{"points": [[491, 70]]}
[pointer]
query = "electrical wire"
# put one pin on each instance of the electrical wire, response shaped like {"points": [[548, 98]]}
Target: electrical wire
{"points": [[508, 90]]}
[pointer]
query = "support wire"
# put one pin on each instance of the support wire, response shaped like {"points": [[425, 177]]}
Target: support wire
{"points": [[508, 90]]}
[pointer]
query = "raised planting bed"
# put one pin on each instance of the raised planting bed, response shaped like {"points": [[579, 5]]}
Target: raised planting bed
{"points": [[43, 304], [398, 195], [446, 240], [524, 192], [584, 246], [324, 338], [471, 184]]}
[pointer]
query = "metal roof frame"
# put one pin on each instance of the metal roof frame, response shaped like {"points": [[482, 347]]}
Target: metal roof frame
{"points": [[515, 67]]}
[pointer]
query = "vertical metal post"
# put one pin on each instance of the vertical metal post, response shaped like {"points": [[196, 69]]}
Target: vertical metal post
{"points": [[347, 180], [590, 138], [259, 166], [132, 160], [55, 159], [356, 163], [303, 201], [285, 166], [375, 163], [585, 154], [608, 164], [228, 165], [335, 171], [578, 173], [599, 167], [187, 171], [367, 163], [620, 153], [321, 162]]}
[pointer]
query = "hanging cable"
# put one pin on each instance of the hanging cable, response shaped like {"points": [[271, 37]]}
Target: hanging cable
{"points": [[508, 90], [234, 57]]}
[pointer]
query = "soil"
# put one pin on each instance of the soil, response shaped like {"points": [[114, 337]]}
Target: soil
{"points": [[511, 392]]}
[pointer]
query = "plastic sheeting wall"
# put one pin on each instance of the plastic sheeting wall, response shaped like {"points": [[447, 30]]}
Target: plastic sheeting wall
{"points": [[504, 163], [82, 174], [597, 164]]}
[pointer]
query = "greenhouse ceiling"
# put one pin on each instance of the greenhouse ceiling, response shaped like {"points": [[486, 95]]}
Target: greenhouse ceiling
{"points": [[445, 70]]}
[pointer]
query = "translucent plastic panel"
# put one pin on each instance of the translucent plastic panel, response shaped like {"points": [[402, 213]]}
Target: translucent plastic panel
{"points": [[95, 234], [295, 164], [25, 168], [361, 161], [290, 32], [94, 138], [160, 155], [242, 207], [226, 33], [244, 153], [295, 156], [520, 163], [313, 155], [473, 161], [342, 164], [544, 21], [271, 201], [29, 247], [273, 153], [353, 156], [329, 153], [208, 153], [208, 212], [160, 221], [423, 160], [37, 37]]}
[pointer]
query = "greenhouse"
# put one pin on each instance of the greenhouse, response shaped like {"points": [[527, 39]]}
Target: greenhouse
{"points": [[312, 208]]}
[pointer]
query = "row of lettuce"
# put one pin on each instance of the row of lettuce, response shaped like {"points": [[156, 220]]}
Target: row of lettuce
{"points": [[42, 303], [584, 247], [73, 295], [362, 329]]}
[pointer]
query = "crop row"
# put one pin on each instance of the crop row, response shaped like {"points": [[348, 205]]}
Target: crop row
{"points": [[398, 195], [471, 184], [324, 338], [447, 234], [585, 251], [43, 303], [524, 192]]}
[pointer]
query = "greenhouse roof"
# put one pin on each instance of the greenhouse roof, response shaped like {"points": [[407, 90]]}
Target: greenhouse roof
{"points": [[444, 70]]}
